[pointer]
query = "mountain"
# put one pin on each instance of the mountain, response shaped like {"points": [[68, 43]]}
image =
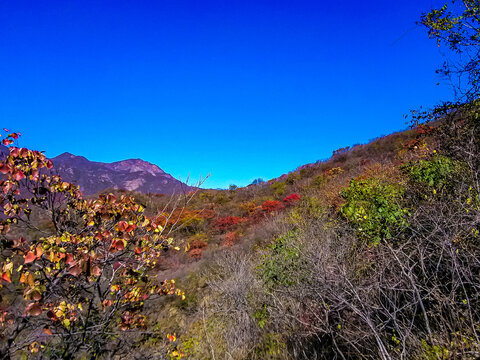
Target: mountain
{"points": [[133, 175]]}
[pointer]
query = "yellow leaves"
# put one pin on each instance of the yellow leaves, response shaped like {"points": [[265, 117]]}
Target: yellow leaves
{"points": [[7, 271], [180, 293], [66, 323], [34, 347], [8, 267], [27, 278]]}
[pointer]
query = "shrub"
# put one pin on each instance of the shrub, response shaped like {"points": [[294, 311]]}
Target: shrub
{"points": [[279, 265], [221, 199], [435, 172], [279, 188], [228, 222], [375, 208], [272, 205], [292, 178], [292, 198], [248, 207]]}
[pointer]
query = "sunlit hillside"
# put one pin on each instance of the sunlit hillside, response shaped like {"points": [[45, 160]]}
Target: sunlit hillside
{"points": [[372, 253]]}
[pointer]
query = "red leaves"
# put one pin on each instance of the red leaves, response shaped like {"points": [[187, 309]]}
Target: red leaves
{"points": [[230, 239], [33, 309], [96, 271], [49, 164], [75, 270], [272, 205], [123, 226], [7, 142], [34, 175], [6, 277], [51, 315], [131, 228], [47, 331], [4, 168], [228, 222], [30, 257], [292, 198], [119, 245], [69, 259]]}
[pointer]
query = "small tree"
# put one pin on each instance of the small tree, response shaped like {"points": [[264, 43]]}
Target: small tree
{"points": [[82, 275], [457, 25]]}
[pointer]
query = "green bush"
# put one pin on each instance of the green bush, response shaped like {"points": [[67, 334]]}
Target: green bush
{"points": [[375, 208], [278, 267], [279, 188], [292, 178], [435, 172], [271, 346], [261, 315]]}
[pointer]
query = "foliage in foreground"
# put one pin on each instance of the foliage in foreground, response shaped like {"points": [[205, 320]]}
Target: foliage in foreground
{"points": [[82, 280]]}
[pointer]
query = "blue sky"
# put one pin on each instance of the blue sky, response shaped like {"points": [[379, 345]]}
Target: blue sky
{"points": [[239, 89]]}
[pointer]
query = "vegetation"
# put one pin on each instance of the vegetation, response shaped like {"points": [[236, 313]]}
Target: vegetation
{"points": [[372, 254], [85, 274]]}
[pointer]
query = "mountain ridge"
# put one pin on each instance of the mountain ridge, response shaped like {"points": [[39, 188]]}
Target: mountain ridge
{"points": [[129, 174]]}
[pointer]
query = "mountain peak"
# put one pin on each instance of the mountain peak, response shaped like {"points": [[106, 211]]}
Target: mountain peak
{"points": [[136, 165], [131, 174]]}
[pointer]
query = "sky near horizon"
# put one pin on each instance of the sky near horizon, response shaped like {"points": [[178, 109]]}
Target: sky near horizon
{"points": [[239, 89]]}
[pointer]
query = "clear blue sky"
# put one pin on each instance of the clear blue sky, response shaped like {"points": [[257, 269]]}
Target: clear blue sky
{"points": [[240, 89]]}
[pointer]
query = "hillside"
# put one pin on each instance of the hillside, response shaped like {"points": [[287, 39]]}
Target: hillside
{"points": [[372, 253]]}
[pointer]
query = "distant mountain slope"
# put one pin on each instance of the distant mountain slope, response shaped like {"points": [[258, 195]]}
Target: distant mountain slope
{"points": [[133, 175]]}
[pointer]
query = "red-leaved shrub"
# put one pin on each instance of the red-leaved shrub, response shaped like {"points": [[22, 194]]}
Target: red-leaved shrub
{"points": [[228, 222], [272, 205], [230, 238], [292, 198]]}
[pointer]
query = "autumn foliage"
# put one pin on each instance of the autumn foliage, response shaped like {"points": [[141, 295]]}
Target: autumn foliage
{"points": [[291, 199], [87, 277], [272, 205], [228, 222]]}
